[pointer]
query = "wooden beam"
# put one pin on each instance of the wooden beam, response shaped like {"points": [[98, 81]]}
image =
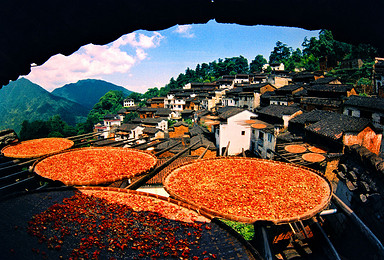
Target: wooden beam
{"points": [[137, 184], [122, 142], [76, 137], [205, 151], [167, 149], [279, 155], [150, 144], [93, 141]]}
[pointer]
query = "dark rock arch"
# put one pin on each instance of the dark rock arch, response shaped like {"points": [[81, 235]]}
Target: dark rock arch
{"points": [[33, 31]]}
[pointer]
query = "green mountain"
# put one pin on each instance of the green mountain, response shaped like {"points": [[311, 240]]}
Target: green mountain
{"points": [[87, 92], [23, 100]]}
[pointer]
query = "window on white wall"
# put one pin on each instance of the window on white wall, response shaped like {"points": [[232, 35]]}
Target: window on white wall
{"points": [[242, 132]]}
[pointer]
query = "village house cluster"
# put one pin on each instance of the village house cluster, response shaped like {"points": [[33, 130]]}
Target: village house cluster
{"points": [[255, 112]]}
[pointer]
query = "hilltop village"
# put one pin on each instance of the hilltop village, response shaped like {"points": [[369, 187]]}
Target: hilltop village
{"points": [[254, 113], [306, 118]]}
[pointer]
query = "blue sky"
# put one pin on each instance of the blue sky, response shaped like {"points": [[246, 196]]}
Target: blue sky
{"points": [[145, 59]]}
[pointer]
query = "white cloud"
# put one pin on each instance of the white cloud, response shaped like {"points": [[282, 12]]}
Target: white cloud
{"points": [[139, 40], [185, 31], [94, 61]]}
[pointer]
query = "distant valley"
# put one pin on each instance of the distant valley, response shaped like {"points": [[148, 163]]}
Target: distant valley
{"points": [[23, 100]]}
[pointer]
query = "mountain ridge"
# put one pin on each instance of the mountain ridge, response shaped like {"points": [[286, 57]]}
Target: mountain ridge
{"points": [[87, 92], [24, 100]]}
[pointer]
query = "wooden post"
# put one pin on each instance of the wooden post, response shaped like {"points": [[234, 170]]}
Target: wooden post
{"points": [[205, 151], [137, 184], [226, 149]]}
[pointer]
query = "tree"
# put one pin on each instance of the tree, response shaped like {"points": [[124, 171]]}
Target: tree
{"points": [[310, 63], [129, 117], [56, 124], [326, 46], [364, 84], [33, 130], [257, 64], [110, 103], [239, 65], [171, 122], [280, 54], [136, 96], [151, 92], [365, 52], [189, 121]]}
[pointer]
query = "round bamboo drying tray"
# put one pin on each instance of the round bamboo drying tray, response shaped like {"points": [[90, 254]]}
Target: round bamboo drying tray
{"points": [[258, 126], [95, 165], [313, 157], [112, 224], [249, 189], [295, 148], [315, 149], [36, 148]]}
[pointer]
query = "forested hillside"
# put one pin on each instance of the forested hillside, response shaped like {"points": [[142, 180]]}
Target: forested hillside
{"points": [[23, 100], [87, 92], [110, 103]]}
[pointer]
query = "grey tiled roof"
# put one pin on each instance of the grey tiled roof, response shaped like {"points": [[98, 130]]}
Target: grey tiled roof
{"points": [[151, 130], [375, 103], [180, 123], [330, 88], [288, 88], [110, 116], [324, 80], [311, 117], [322, 101], [163, 112], [147, 109], [228, 111], [278, 111], [155, 120], [335, 125], [196, 130], [122, 111], [127, 127]]}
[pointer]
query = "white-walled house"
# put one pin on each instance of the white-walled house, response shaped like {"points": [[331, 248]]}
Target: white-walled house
{"points": [[128, 131], [233, 129], [230, 101], [279, 66], [110, 123], [128, 102], [158, 122], [263, 139], [175, 102]]}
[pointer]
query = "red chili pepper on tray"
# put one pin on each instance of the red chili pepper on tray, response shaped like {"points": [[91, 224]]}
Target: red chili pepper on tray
{"points": [[143, 226]]}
